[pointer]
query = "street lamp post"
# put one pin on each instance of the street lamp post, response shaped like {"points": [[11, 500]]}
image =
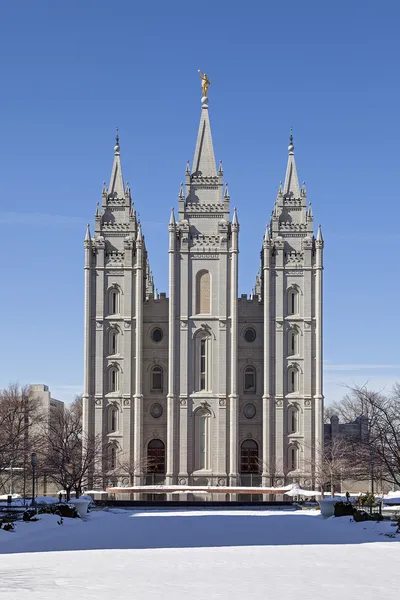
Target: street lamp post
{"points": [[33, 464]]}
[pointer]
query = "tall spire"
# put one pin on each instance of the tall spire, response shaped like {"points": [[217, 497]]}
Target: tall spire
{"points": [[116, 187], [291, 187], [204, 159]]}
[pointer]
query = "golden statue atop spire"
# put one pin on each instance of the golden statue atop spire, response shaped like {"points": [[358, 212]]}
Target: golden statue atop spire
{"points": [[205, 83]]}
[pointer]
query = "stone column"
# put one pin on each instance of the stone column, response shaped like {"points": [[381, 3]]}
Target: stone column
{"points": [[266, 411], [233, 397], [171, 416], [87, 404], [138, 397], [318, 398]]}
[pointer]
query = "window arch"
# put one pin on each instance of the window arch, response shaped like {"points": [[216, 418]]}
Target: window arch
{"points": [[157, 379], [112, 457], [293, 380], [112, 419], [203, 293], [202, 439], [113, 301], [249, 457], [293, 419], [156, 456], [293, 342], [113, 379], [293, 301], [249, 379], [293, 458], [113, 341]]}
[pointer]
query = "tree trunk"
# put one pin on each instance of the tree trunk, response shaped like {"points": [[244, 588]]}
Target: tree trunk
{"points": [[68, 490]]}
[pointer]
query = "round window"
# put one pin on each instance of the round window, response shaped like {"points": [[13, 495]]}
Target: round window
{"points": [[156, 411], [250, 335], [249, 411], [157, 335]]}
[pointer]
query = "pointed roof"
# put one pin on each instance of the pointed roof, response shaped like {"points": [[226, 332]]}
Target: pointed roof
{"points": [[116, 187], [204, 159], [291, 186], [235, 218], [87, 236], [172, 217], [319, 234], [139, 234]]}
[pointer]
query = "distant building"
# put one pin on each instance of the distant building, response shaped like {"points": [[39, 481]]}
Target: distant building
{"points": [[205, 387]]}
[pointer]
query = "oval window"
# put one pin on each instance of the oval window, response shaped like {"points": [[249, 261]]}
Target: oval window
{"points": [[250, 335], [249, 411], [157, 335], [156, 411]]}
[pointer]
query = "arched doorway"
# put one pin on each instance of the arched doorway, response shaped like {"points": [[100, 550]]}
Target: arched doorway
{"points": [[249, 467], [155, 462]]}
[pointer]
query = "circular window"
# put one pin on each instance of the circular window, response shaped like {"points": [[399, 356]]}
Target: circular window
{"points": [[250, 335], [156, 411], [249, 411], [157, 335]]}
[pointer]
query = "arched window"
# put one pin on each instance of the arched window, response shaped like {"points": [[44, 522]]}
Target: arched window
{"points": [[112, 419], [203, 293], [202, 443], [203, 362], [293, 339], [249, 457], [249, 379], [293, 380], [156, 456], [112, 457], [293, 301], [293, 419], [113, 341], [113, 382], [113, 301], [157, 379], [293, 458]]}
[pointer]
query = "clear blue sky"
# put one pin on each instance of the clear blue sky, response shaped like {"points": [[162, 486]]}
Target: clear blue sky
{"points": [[72, 71]]}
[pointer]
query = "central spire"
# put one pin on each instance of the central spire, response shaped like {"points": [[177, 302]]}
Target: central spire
{"points": [[291, 187], [204, 159], [116, 188]]}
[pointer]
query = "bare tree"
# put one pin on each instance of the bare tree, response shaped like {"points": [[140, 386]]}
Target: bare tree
{"points": [[131, 468], [20, 413], [69, 456]]}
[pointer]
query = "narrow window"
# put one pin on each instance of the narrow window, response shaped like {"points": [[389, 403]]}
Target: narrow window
{"points": [[113, 457], [113, 342], [293, 342], [203, 364], [292, 381], [293, 456], [293, 298], [113, 380], [249, 379], [113, 302], [157, 379], [113, 420], [203, 293], [293, 420], [202, 439]]}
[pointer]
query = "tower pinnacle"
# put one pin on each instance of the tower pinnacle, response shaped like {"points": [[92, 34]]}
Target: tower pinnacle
{"points": [[116, 188], [291, 187]]}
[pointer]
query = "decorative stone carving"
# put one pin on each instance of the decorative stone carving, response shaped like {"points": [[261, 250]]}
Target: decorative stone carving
{"points": [[307, 403], [99, 324], [279, 482], [279, 325], [184, 325], [125, 481], [126, 402], [183, 402], [221, 481], [97, 402], [222, 402], [307, 482], [279, 403], [127, 324], [307, 325], [182, 481]]}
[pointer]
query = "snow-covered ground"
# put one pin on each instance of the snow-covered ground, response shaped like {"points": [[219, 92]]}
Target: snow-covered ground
{"points": [[199, 555]]}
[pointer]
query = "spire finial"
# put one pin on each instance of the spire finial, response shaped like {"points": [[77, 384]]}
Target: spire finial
{"points": [[116, 147], [291, 145]]}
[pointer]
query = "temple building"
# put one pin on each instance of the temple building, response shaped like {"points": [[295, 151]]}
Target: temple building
{"points": [[204, 386]]}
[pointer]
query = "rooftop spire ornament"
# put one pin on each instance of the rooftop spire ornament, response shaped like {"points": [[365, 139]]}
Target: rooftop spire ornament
{"points": [[205, 83]]}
